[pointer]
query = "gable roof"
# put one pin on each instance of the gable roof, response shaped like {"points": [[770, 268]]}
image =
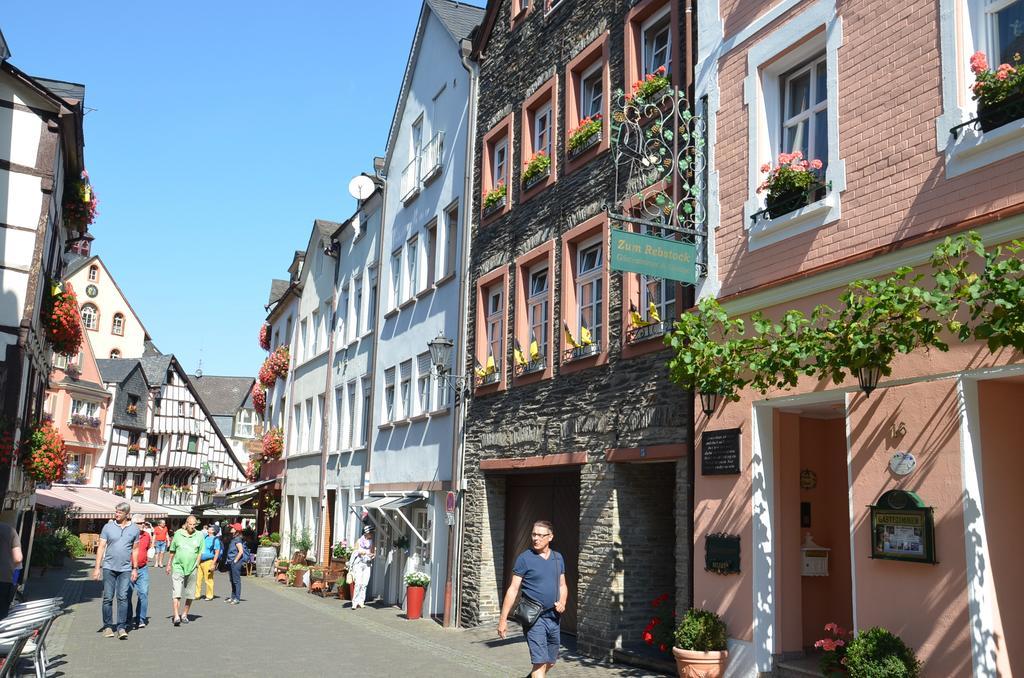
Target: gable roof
{"points": [[223, 395], [459, 20], [5, 52], [79, 264], [277, 289], [156, 367], [115, 370], [150, 349], [326, 228]]}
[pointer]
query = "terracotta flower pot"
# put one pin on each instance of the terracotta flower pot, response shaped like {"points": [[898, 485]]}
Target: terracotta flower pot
{"points": [[691, 664]]}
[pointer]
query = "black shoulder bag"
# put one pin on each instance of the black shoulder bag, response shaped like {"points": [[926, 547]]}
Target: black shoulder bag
{"points": [[526, 611]]}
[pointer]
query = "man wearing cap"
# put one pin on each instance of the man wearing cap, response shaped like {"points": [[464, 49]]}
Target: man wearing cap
{"points": [[140, 585], [116, 556], [208, 561], [186, 547], [235, 559]]}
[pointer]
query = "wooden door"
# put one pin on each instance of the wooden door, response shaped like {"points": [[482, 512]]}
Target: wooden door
{"points": [[554, 497]]}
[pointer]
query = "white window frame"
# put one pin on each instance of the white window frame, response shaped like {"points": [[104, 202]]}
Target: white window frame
{"points": [[350, 414], [593, 276], [664, 285], [538, 302], [808, 116], [647, 63], [965, 27], [94, 273], [499, 162], [116, 327], [424, 386], [389, 394], [495, 315], [586, 102], [358, 324], [412, 265], [95, 315], [405, 388], [396, 278], [542, 132], [818, 28]]}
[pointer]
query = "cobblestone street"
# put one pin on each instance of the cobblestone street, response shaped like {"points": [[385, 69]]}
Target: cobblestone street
{"points": [[278, 631]]}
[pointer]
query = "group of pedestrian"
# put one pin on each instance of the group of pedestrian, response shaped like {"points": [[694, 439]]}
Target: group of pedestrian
{"points": [[189, 556]]}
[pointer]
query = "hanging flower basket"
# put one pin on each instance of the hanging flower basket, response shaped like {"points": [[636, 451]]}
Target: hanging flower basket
{"points": [[274, 367], [45, 455], [265, 337], [80, 204], [259, 398], [273, 443], [252, 470], [61, 319]]}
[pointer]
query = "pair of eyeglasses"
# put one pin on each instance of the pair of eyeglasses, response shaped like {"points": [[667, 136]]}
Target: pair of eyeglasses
{"points": [[537, 534]]}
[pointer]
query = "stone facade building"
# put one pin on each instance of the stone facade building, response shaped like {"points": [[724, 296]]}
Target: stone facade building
{"points": [[595, 438]]}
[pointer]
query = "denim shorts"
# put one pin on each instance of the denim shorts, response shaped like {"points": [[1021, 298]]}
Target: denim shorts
{"points": [[160, 546], [543, 639]]}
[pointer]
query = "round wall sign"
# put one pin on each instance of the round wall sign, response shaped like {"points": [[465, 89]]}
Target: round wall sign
{"points": [[91, 290], [902, 463]]}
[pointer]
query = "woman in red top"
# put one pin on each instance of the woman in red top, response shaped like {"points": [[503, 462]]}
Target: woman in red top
{"points": [[160, 542]]}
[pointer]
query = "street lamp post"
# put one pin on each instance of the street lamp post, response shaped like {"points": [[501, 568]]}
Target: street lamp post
{"points": [[440, 355]]}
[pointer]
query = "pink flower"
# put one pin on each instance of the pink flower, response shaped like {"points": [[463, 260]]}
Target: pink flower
{"points": [[831, 627], [766, 167], [978, 86], [784, 158], [1002, 75], [978, 62], [827, 644], [816, 164]]}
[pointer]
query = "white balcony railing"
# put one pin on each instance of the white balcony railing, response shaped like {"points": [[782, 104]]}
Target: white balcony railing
{"points": [[430, 161], [410, 179]]}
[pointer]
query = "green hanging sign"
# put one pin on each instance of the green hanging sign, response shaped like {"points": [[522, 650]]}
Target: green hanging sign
{"points": [[653, 256]]}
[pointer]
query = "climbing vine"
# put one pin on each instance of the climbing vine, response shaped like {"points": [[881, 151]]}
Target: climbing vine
{"points": [[875, 320]]}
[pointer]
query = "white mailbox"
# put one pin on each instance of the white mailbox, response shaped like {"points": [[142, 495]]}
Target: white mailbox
{"points": [[814, 558]]}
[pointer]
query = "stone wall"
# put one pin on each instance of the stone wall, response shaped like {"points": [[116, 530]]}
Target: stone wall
{"points": [[631, 516]]}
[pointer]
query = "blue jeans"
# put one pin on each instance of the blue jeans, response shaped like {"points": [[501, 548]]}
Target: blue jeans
{"points": [[115, 583], [236, 579], [141, 588]]}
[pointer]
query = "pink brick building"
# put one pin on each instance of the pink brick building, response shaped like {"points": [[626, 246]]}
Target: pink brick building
{"points": [[879, 93]]}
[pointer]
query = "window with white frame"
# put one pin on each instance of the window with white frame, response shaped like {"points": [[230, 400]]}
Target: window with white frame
{"points": [[412, 260], [590, 287], [364, 414], [117, 327], [804, 116], [542, 129], [538, 311], [90, 316], [60, 361], [314, 334], [296, 423], [451, 232], [371, 302], [307, 425], [405, 388], [84, 408], [431, 253], [396, 278], [421, 522], [592, 90], [423, 383], [300, 353], [358, 325], [246, 423], [416, 138], [495, 324], [998, 29], [657, 291], [344, 320], [350, 414], [499, 161], [339, 417], [656, 34], [389, 394], [94, 273]]}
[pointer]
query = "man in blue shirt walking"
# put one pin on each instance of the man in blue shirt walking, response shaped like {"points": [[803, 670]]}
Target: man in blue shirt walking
{"points": [[539, 572], [117, 556]]}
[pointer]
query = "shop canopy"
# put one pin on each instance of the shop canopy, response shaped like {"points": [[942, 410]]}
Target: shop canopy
{"points": [[239, 494], [392, 504], [93, 502]]}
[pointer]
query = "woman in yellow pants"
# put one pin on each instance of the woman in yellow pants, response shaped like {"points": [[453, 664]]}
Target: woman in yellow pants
{"points": [[208, 562]]}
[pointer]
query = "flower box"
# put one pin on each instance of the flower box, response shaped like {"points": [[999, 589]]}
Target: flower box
{"points": [[581, 352], [489, 379], [536, 179], [85, 421], [535, 171], [532, 367], [495, 206], [636, 335], [994, 116], [593, 139], [999, 92], [793, 183]]}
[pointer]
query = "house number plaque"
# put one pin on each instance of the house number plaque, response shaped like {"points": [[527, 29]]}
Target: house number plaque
{"points": [[722, 553]]}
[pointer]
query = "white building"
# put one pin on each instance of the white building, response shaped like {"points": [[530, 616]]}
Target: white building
{"points": [[115, 330], [415, 428]]}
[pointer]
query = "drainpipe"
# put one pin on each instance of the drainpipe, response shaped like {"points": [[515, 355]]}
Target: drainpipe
{"points": [[688, 77], [325, 429], [452, 584]]}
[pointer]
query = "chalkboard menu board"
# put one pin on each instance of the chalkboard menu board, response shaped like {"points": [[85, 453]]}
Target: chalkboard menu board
{"points": [[722, 553], [720, 454]]}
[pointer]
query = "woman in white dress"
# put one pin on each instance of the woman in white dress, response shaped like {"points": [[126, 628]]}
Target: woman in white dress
{"points": [[359, 566]]}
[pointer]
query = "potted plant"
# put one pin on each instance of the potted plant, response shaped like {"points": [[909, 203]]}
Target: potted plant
{"points": [[878, 652], [301, 543], [151, 449], [138, 491], [999, 93], [118, 490], [535, 170], [259, 398], [80, 204], [45, 455], [341, 552], [62, 321], [133, 448], [833, 646], [791, 183], [643, 90], [494, 199], [267, 553], [273, 443], [265, 336], [296, 573], [274, 367], [415, 590], [700, 645]]}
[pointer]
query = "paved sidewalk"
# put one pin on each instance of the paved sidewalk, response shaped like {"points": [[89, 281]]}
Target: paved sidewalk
{"points": [[278, 630]]}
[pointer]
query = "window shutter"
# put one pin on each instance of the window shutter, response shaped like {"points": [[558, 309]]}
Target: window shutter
{"points": [[406, 370], [389, 376], [423, 364]]}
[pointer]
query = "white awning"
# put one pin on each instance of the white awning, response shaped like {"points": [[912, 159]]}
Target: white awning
{"points": [[394, 503]]}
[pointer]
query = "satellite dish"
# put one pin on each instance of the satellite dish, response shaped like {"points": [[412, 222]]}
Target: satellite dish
{"points": [[361, 187]]}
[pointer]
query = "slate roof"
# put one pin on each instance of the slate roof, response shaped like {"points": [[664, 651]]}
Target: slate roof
{"points": [[155, 368], [69, 91], [277, 290], [114, 370], [459, 18], [326, 228], [150, 350], [5, 52], [222, 395]]}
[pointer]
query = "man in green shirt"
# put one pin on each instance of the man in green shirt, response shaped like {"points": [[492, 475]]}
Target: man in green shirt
{"points": [[185, 548]]}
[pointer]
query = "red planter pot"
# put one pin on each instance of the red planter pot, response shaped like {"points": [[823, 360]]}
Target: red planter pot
{"points": [[414, 601]]}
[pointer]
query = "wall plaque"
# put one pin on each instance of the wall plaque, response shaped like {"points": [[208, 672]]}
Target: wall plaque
{"points": [[720, 452], [722, 553], [902, 528]]}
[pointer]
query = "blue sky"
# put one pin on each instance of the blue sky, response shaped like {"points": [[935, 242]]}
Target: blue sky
{"points": [[221, 130]]}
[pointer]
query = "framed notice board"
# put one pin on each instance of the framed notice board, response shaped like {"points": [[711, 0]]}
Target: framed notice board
{"points": [[720, 452], [902, 528], [722, 553]]}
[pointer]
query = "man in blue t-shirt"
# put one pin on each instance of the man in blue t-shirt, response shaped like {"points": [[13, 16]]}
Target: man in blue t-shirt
{"points": [[539, 573], [117, 556], [208, 562]]}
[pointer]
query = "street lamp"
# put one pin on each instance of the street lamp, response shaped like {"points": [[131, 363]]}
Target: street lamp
{"points": [[709, 402], [868, 377], [440, 356]]}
